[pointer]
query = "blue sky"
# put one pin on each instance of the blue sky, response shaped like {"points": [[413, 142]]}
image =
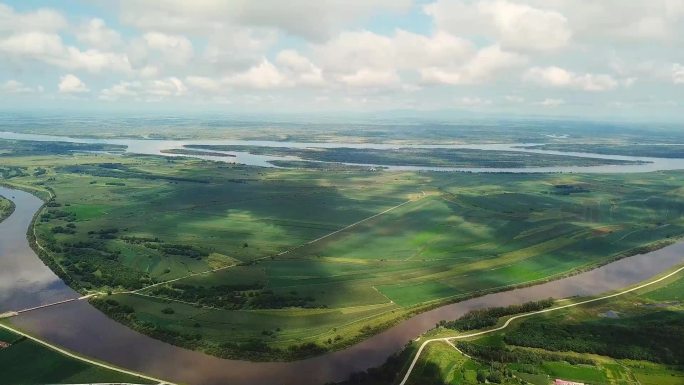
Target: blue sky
{"points": [[480, 57]]}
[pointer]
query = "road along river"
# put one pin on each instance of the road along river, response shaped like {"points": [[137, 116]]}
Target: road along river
{"points": [[77, 326]]}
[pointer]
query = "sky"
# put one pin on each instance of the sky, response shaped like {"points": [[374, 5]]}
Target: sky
{"points": [[579, 58]]}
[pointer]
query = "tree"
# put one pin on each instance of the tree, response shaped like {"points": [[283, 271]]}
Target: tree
{"points": [[481, 376]]}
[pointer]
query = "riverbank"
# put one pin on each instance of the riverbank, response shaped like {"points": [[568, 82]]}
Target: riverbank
{"points": [[6, 208], [527, 337]]}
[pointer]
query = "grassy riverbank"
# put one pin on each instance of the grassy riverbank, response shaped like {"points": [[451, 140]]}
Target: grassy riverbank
{"points": [[121, 223], [6, 208], [633, 338]]}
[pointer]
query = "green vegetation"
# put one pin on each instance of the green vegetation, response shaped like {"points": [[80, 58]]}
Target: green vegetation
{"points": [[6, 208], [11, 148], [479, 319], [645, 150], [657, 336], [25, 362], [635, 338], [397, 129], [283, 288], [432, 157]]}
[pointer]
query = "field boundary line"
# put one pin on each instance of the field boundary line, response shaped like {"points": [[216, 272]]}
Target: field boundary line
{"points": [[519, 316], [84, 359], [278, 254]]}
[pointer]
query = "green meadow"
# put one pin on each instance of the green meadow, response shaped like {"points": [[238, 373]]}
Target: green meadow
{"points": [[286, 288]]}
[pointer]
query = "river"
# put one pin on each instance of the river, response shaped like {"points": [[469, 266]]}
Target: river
{"points": [[77, 326], [157, 147]]}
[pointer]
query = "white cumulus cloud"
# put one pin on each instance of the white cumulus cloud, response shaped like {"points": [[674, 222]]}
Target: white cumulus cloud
{"points": [[562, 78], [70, 84]]}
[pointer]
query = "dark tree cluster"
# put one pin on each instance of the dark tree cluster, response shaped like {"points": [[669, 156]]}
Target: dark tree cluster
{"points": [[170, 249], [478, 319], [657, 337], [58, 215], [505, 354], [233, 297], [9, 172]]}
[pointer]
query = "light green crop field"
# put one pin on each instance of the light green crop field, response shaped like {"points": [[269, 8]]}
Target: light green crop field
{"points": [[121, 223], [26, 362]]}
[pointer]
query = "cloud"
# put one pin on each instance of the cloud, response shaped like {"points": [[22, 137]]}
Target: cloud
{"points": [[561, 78], [33, 45], [236, 48], [170, 86], [206, 16], [42, 20], [473, 102], [261, 76], [678, 73], [369, 78], [95, 33], [520, 26], [70, 84], [484, 66], [299, 69], [204, 83], [49, 48], [638, 21], [17, 87], [514, 99], [512, 25], [551, 102], [175, 49], [149, 91]]}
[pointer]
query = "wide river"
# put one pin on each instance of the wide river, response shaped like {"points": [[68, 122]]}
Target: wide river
{"points": [[157, 147], [26, 282]]}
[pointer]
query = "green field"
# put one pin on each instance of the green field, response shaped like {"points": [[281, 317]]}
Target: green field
{"points": [[640, 342], [120, 223], [26, 362]]}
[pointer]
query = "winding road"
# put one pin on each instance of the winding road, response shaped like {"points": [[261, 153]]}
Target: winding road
{"points": [[519, 316]]}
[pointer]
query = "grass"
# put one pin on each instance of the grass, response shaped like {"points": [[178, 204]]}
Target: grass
{"points": [[123, 222], [578, 373], [26, 362]]}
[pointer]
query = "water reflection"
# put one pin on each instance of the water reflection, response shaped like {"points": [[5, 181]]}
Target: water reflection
{"points": [[24, 280]]}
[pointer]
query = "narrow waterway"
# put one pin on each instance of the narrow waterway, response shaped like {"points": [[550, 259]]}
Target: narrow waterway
{"points": [[25, 282]]}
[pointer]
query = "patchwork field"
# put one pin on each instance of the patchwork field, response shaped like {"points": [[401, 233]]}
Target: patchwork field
{"points": [[310, 260]]}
